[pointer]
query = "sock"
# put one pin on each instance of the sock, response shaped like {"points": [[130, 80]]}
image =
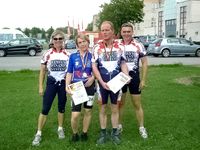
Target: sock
{"points": [[60, 128], [120, 126], [142, 127], [103, 130], [114, 130], [39, 132]]}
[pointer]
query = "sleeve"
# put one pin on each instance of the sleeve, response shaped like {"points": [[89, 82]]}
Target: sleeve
{"points": [[143, 51], [45, 58], [70, 64], [95, 54]]}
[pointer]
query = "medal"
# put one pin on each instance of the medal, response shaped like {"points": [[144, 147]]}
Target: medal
{"points": [[84, 74]]}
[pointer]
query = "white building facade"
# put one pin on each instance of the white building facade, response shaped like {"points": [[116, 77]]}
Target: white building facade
{"points": [[171, 18]]}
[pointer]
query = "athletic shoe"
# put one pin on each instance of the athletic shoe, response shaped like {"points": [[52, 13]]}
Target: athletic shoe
{"points": [[143, 132], [75, 137], [61, 134], [36, 141], [120, 129], [84, 137], [115, 137], [102, 138]]}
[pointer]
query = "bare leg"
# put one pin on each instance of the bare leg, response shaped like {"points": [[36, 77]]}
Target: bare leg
{"points": [[74, 121], [136, 100], [114, 115], [60, 119], [86, 120], [103, 116], [41, 121], [121, 107]]}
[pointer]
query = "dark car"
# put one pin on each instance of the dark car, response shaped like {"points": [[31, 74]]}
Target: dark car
{"points": [[21, 46], [173, 46], [145, 39], [70, 44]]}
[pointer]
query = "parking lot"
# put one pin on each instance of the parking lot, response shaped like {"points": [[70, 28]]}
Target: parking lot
{"points": [[18, 62]]}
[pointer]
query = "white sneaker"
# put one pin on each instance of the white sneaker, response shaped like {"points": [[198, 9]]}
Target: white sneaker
{"points": [[143, 132], [37, 139], [61, 134], [120, 129]]}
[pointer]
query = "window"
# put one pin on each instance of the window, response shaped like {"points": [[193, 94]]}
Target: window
{"points": [[160, 23], [182, 20], [175, 41]]}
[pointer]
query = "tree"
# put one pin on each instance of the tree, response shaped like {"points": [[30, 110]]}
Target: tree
{"points": [[89, 27], [121, 11]]}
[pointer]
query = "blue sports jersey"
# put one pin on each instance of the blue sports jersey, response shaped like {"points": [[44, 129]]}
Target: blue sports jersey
{"points": [[81, 70]]}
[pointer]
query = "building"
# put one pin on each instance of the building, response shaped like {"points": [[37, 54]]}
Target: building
{"points": [[174, 18]]}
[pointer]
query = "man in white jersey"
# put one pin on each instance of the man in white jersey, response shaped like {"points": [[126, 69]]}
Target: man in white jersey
{"points": [[135, 52], [108, 61], [54, 62]]}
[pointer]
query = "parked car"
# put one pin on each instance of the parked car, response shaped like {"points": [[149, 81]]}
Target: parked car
{"points": [[173, 46], [9, 34], [145, 39], [70, 44], [24, 46]]}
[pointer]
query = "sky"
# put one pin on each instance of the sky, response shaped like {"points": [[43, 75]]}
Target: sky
{"points": [[47, 13]]}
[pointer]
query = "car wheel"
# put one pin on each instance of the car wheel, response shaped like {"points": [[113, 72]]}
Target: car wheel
{"points": [[32, 52], [165, 53], [2, 53], [197, 53]]}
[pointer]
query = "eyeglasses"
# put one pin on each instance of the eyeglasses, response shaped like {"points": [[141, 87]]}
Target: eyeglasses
{"points": [[56, 39]]}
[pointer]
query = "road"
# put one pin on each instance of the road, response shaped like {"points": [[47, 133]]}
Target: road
{"points": [[18, 62]]}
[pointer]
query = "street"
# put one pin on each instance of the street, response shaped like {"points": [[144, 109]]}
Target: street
{"points": [[18, 62]]}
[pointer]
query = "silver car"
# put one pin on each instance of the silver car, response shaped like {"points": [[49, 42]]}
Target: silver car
{"points": [[173, 46]]}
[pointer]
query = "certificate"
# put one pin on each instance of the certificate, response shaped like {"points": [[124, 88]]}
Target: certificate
{"points": [[79, 94], [118, 82]]}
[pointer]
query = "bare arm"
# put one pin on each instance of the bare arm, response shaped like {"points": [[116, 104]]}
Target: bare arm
{"points": [[68, 82], [124, 68], [41, 78], [98, 76], [144, 72]]}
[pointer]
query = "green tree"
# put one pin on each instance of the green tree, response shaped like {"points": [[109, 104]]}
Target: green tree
{"points": [[89, 27], [121, 11], [49, 32]]}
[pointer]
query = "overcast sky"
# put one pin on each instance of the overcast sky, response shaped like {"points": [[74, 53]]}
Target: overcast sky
{"points": [[47, 13]]}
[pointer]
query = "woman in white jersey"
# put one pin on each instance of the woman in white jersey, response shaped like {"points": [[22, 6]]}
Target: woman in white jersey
{"points": [[54, 62]]}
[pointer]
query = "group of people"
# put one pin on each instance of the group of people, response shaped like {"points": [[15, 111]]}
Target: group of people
{"points": [[107, 59]]}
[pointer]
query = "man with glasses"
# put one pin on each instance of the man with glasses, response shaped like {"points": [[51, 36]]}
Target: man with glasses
{"points": [[134, 52]]}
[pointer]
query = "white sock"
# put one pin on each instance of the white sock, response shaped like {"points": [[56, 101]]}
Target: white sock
{"points": [[142, 127], [120, 126], [39, 132], [60, 128]]}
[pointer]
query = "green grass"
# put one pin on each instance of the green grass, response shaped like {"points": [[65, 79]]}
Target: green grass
{"points": [[171, 113]]}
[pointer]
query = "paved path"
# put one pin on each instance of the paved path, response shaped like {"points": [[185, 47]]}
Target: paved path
{"points": [[18, 62]]}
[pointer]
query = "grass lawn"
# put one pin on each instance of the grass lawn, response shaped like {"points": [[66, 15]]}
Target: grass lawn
{"points": [[171, 103]]}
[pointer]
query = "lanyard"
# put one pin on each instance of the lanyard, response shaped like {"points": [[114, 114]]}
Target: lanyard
{"points": [[108, 54], [84, 63]]}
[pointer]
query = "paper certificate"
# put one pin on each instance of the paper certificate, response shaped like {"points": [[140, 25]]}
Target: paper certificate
{"points": [[118, 82], [79, 94]]}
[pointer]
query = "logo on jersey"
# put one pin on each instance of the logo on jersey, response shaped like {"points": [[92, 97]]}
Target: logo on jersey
{"points": [[58, 65]]}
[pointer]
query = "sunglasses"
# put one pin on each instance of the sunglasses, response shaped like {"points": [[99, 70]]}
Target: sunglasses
{"points": [[56, 39]]}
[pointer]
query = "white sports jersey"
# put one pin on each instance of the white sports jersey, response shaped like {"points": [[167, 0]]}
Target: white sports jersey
{"points": [[56, 62], [133, 52]]}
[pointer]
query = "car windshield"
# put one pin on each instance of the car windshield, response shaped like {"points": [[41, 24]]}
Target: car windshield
{"points": [[157, 41]]}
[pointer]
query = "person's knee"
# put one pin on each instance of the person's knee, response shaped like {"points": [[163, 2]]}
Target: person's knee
{"points": [[88, 112]]}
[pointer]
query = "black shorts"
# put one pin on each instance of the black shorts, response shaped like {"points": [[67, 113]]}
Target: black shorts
{"points": [[106, 93], [134, 84], [89, 104]]}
